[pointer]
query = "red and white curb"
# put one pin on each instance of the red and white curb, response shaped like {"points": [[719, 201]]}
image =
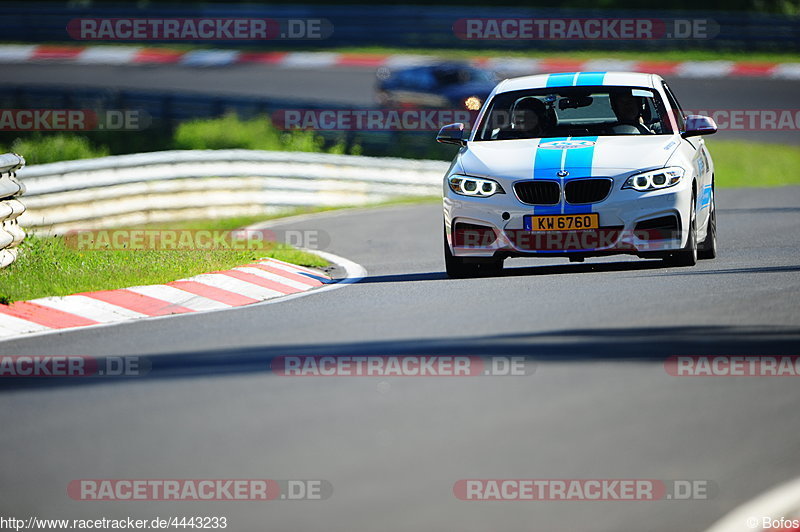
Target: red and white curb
{"points": [[776, 510], [132, 55], [263, 280]]}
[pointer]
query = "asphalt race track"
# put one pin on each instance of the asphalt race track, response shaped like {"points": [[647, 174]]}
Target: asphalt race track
{"points": [[600, 404], [355, 86]]}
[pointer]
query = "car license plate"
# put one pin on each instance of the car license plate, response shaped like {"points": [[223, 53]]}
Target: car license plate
{"points": [[563, 222]]}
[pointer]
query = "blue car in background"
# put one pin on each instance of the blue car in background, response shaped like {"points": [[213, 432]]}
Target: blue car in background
{"points": [[442, 85]]}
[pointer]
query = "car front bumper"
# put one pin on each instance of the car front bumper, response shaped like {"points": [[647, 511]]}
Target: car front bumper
{"points": [[621, 218]]}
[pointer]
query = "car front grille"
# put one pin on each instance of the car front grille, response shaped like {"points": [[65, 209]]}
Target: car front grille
{"points": [[538, 192], [587, 190]]}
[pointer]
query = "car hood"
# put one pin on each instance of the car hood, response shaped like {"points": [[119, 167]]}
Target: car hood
{"points": [[580, 156]]}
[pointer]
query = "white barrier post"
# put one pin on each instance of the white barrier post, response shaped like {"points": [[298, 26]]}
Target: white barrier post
{"points": [[11, 234]]}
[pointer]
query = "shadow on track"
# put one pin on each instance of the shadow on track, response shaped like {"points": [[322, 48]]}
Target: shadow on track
{"points": [[552, 269], [640, 345], [756, 269], [759, 210], [566, 269]]}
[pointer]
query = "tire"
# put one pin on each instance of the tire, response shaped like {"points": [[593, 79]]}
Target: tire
{"points": [[707, 249], [688, 255], [494, 267], [457, 268]]}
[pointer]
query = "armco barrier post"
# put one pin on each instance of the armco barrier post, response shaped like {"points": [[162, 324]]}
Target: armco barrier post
{"points": [[11, 234]]}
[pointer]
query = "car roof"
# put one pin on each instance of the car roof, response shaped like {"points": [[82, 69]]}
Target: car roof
{"points": [[577, 79], [450, 65]]}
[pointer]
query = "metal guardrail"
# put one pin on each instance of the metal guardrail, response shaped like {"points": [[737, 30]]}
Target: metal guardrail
{"points": [[170, 186], [11, 234]]}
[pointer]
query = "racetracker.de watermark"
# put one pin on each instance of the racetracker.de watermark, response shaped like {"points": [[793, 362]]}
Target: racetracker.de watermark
{"points": [[583, 29], [733, 366], [546, 234], [434, 119], [402, 366], [56, 366], [199, 29], [73, 120], [193, 239], [168, 239], [370, 119], [248, 489], [752, 119], [603, 489]]}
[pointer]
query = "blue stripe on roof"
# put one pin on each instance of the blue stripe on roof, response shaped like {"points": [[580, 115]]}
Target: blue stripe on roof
{"points": [[564, 79], [590, 78]]}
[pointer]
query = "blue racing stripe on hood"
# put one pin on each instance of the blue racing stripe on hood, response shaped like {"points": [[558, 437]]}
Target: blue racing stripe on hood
{"points": [[543, 164], [576, 161], [547, 159], [579, 164]]}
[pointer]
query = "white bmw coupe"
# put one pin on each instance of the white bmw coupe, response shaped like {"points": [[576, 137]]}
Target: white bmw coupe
{"points": [[579, 165]]}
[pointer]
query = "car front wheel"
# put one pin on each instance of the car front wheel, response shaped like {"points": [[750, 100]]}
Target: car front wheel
{"points": [[458, 268], [688, 255], [707, 249]]}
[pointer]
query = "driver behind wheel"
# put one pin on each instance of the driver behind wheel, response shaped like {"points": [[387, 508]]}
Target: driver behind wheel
{"points": [[628, 110], [529, 120]]}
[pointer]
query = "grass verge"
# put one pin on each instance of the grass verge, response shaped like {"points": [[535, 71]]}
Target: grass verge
{"points": [[754, 164], [50, 266]]}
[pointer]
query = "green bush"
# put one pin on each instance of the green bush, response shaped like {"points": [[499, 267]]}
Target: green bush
{"points": [[225, 133], [40, 149], [257, 133]]}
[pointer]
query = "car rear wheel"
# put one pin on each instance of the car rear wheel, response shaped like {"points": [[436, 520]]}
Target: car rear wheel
{"points": [[688, 255]]}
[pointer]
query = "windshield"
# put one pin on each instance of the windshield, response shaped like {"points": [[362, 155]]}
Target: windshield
{"points": [[574, 112]]}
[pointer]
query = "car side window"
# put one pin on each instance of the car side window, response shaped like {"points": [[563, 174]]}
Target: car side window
{"points": [[415, 80], [675, 108]]}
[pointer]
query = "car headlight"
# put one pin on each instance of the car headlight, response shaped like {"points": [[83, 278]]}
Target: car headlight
{"points": [[473, 103], [474, 186], [655, 179]]}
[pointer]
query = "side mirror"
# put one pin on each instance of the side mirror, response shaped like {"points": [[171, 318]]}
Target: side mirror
{"points": [[699, 125], [452, 134]]}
